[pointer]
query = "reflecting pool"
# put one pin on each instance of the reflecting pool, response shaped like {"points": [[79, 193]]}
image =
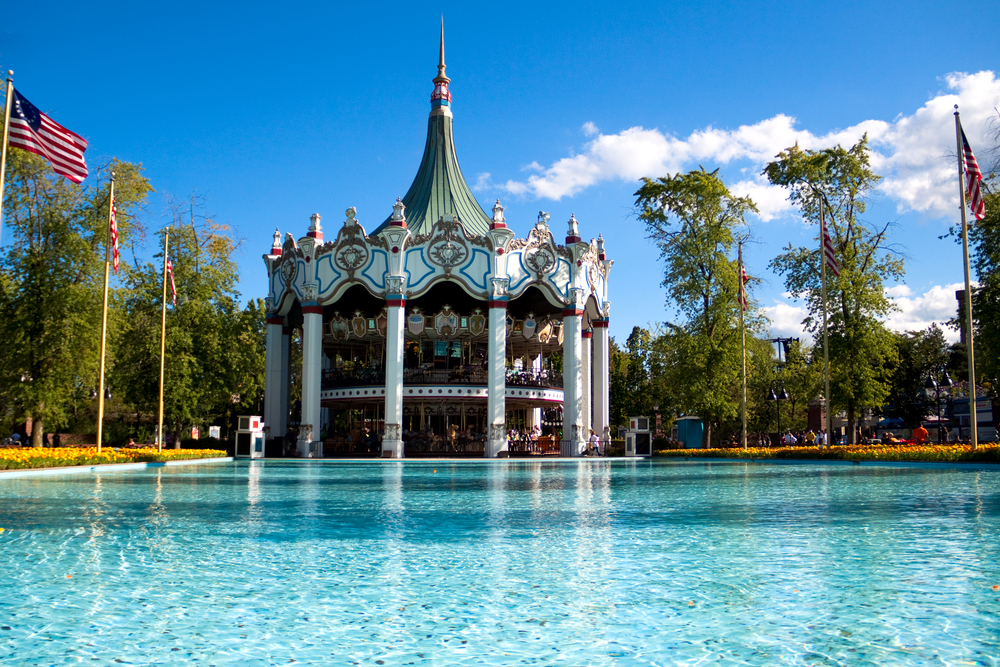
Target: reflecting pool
{"points": [[504, 562]]}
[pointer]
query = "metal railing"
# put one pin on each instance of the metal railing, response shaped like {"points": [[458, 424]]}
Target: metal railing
{"points": [[367, 377]]}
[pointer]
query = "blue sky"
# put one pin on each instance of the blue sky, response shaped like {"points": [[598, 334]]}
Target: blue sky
{"points": [[278, 112]]}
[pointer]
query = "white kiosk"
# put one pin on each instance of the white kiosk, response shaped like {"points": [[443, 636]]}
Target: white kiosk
{"points": [[638, 437], [249, 437]]}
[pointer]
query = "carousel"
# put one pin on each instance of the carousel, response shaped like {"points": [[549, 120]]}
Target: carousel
{"points": [[439, 332]]}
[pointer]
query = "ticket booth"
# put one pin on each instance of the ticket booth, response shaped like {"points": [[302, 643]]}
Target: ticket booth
{"points": [[249, 437], [639, 437]]}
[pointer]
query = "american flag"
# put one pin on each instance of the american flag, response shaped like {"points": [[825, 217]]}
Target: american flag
{"points": [[831, 259], [115, 255], [744, 278], [972, 177], [33, 131], [173, 287]]}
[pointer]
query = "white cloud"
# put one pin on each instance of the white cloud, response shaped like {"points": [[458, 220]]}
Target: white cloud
{"points": [[483, 182], [899, 290], [786, 320], [771, 201], [912, 151], [916, 312]]}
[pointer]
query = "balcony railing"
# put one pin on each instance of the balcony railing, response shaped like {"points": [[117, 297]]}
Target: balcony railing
{"points": [[367, 377]]}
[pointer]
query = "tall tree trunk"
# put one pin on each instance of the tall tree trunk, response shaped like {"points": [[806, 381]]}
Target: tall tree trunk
{"points": [[706, 436], [37, 432], [852, 425]]}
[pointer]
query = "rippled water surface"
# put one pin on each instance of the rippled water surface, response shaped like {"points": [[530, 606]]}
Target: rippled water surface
{"points": [[507, 562]]}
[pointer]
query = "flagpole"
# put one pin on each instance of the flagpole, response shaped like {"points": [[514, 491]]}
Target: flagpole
{"points": [[104, 320], [743, 350], [973, 417], [6, 130], [826, 334], [163, 340]]}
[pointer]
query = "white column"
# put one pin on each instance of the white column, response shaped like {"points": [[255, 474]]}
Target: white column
{"points": [[312, 366], [585, 382], [572, 440], [393, 440], [602, 380], [284, 383], [496, 408], [536, 413], [272, 375]]}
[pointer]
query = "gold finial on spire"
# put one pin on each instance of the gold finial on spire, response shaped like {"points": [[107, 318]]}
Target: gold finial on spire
{"points": [[441, 77]]}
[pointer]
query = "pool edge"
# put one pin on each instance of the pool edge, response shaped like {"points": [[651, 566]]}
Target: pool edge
{"points": [[107, 467]]}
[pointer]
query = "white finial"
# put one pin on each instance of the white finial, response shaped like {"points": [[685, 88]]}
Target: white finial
{"points": [[315, 226], [398, 217], [543, 218], [276, 245], [600, 244], [498, 213], [574, 226]]}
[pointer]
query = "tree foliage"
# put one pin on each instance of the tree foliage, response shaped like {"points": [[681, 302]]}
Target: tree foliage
{"points": [[862, 350], [920, 354], [984, 251], [51, 292], [214, 351], [694, 220]]}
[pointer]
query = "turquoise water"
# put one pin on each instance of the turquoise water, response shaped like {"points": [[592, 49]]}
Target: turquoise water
{"points": [[502, 563]]}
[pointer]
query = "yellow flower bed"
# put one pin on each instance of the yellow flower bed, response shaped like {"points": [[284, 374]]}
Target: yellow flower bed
{"points": [[45, 457], [987, 453]]}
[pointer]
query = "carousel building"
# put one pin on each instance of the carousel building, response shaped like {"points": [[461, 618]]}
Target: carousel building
{"points": [[438, 331]]}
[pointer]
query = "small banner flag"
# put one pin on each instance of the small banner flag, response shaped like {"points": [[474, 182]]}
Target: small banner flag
{"points": [[744, 278], [830, 257], [173, 287], [115, 255], [972, 177], [33, 131]]}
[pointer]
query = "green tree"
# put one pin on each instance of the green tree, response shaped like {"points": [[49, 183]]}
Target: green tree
{"points": [[984, 250], [694, 219], [919, 355], [51, 292], [214, 351], [862, 350]]}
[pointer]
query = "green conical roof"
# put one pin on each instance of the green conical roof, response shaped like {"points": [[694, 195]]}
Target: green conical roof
{"points": [[439, 186]]}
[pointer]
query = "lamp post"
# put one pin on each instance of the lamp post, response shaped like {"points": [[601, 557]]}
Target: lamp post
{"points": [[933, 384], [780, 396], [656, 412]]}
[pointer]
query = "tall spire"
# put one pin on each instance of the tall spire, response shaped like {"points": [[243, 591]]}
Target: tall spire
{"points": [[439, 188], [441, 77], [441, 97]]}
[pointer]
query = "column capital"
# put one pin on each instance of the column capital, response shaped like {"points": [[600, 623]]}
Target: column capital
{"points": [[587, 333], [572, 311], [313, 309], [280, 321], [601, 322], [497, 302]]}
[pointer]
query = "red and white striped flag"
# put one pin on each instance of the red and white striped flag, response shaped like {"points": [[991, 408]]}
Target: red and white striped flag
{"points": [[829, 256], [33, 131], [173, 287], [115, 255], [972, 178], [744, 278]]}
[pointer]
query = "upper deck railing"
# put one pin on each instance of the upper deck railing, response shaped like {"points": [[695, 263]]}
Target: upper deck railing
{"points": [[366, 377]]}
